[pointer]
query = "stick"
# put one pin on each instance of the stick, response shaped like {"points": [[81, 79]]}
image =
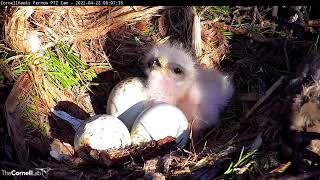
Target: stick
{"points": [[196, 34], [136, 153], [264, 97]]}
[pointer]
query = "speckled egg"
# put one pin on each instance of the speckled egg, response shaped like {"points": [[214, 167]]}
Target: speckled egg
{"points": [[102, 132], [127, 100], [159, 121]]}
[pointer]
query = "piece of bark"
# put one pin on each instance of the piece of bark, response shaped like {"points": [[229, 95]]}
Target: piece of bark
{"points": [[136, 153], [13, 112]]}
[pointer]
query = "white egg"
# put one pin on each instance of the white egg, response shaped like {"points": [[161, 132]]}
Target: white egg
{"points": [[102, 132], [127, 100], [159, 121]]}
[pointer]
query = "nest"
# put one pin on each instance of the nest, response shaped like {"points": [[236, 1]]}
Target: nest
{"points": [[38, 36], [87, 43], [30, 31]]}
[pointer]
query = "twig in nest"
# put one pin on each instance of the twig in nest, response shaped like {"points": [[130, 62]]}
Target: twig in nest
{"points": [[256, 15], [264, 97], [286, 54], [162, 27], [118, 157], [196, 34]]}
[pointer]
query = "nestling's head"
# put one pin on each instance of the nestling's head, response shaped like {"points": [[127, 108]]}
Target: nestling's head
{"points": [[171, 72], [171, 64]]}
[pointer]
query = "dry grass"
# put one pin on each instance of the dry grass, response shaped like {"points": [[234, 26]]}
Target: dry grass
{"points": [[82, 27]]}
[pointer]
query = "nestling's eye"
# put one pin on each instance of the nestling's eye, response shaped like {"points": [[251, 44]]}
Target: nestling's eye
{"points": [[177, 70]]}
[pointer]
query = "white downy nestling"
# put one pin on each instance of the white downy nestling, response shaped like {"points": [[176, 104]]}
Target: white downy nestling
{"points": [[175, 78]]}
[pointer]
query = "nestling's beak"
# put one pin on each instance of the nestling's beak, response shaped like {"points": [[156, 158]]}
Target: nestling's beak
{"points": [[154, 63], [162, 61], [158, 61], [160, 64]]}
